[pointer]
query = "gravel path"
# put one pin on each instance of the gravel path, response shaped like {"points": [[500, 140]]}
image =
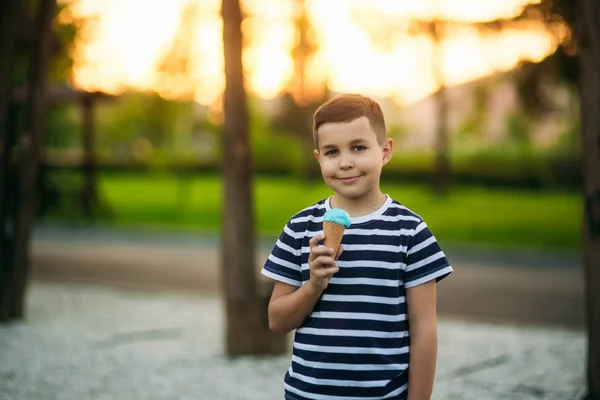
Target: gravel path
{"points": [[95, 342]]}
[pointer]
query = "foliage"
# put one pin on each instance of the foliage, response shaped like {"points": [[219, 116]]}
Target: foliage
{"points": [[276, 153], [469, 134], [63, 129], [144, 127], [518, 131], [65, 31], [559, 66]]}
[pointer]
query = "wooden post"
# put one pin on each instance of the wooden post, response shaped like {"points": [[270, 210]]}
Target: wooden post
{"points": [[247, 330], [8, 9], [89, 196], [588, 32], [31, 147]]}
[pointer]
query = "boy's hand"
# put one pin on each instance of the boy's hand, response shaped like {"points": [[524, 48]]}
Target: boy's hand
{"points": [[321, 262]]}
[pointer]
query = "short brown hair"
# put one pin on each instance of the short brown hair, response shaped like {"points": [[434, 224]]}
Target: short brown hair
{"points": [[347, 108]]}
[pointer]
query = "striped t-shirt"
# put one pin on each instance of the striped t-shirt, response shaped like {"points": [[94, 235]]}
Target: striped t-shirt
{"points": [[355, 343]]}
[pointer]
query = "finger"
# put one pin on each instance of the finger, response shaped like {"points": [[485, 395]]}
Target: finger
{"points": [[321, 251], [314, 244], [325, 273], [320, 273], [314, 241], [330, 272], [323, 261]]}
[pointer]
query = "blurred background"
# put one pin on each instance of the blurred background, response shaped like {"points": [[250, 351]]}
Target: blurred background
{"points": [[482, 85], [480, 98]]}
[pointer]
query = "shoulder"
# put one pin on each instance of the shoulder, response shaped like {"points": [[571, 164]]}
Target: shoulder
{"points": [[297, 225], [309, 214], [403, 215]]}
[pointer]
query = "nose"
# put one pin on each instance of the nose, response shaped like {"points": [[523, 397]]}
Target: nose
{"points": [[346, 161]]}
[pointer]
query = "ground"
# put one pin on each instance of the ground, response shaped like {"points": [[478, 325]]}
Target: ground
{"points": [[114, 316]]}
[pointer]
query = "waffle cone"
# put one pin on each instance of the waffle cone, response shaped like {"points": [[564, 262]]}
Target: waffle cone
{"points": [[333, 235]]}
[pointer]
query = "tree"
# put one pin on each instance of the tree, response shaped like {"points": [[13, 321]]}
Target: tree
{"points": [[298, 104], [583, 20], [8, 10], [442, 173], [175, 68], [18, 214], [587, 31], [247, 324]]}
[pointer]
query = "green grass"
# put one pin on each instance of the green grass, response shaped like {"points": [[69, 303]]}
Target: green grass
{"points": [[468, 215]]}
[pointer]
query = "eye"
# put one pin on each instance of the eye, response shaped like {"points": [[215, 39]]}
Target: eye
{"points": [[358, 148], [331, 152]]}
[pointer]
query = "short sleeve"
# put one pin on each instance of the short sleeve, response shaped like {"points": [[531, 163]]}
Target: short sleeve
{"points": [[283, 264], [425, 260]]}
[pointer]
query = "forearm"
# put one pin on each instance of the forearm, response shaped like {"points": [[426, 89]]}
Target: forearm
{"points": [[288, 312], [422, 363]]}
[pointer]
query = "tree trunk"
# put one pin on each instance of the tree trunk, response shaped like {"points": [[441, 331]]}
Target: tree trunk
{"points": [[246, 307], [441, 171], [442, 175], [31, 148], [588, 32], [8, 10]]}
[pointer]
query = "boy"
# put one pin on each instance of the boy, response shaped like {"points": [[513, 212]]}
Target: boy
{"points": [[363, 318]]}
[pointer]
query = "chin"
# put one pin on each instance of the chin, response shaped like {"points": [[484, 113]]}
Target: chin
{"points": [[350, 194]]}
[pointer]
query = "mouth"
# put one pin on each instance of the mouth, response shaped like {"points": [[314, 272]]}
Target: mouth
{"points": [[350, 179]]}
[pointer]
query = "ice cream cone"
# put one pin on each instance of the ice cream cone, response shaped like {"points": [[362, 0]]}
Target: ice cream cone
{"points": [[333, 235]]}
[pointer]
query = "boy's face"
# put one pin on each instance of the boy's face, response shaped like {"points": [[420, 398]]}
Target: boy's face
{"points": [[351, 159]]}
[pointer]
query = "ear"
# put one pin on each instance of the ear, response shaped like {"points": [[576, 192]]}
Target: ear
{"points": [[316, 153], [387, 150]]}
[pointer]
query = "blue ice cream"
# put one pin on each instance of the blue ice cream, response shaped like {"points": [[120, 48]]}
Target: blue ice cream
{"points": [[338, 216]]}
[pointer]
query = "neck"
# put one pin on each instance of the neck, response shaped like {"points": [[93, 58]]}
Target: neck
{"points": [[359, 207]]}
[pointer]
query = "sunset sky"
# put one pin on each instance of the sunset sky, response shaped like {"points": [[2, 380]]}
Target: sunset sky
{"points": [[363, 45]]}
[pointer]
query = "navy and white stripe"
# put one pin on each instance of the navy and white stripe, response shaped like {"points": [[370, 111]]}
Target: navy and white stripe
{"points": [[355, 343]]}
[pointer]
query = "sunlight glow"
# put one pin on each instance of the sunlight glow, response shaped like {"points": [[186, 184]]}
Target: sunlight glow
{"points": [[364, 46], [457, 10]]}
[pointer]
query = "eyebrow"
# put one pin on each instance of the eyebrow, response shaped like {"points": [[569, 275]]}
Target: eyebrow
{"points": [[328, 146], [358, 141], [352, 143]]}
